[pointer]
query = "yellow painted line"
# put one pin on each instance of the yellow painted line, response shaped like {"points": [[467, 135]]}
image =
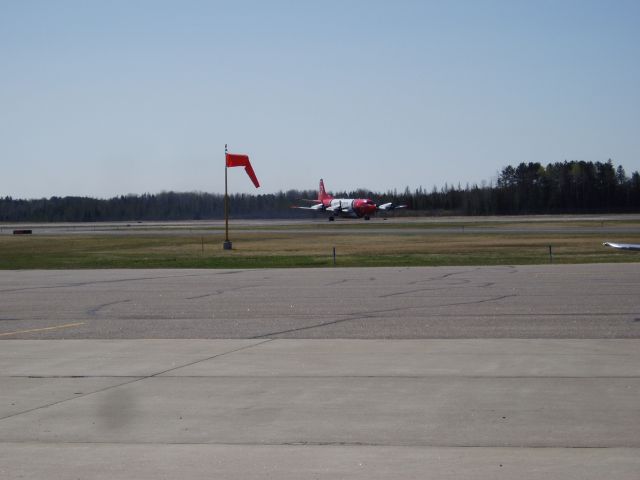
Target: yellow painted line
{"points": [[57, 327]]}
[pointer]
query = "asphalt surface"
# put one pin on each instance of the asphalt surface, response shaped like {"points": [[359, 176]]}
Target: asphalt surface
{"points": [[552, 301], [606, 225]]}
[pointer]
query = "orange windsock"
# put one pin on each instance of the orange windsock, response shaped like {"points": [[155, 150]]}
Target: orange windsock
{"points": [[236, 160]]}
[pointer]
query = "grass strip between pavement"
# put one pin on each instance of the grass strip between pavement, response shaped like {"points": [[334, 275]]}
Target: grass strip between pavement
{"points": [[313, 248]]}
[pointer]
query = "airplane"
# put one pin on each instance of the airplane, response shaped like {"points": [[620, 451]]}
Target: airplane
{"points": [[623, 246], [347, 207]]}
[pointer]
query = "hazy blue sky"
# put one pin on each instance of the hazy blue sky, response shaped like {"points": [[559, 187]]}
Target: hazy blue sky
{"points": [[105, 98]]}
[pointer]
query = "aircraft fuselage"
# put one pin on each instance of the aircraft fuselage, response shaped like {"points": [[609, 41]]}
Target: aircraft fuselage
{"points": [[351, 207]]}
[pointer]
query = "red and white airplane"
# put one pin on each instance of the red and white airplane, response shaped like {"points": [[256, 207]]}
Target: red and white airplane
{"points": [[347, 207]]}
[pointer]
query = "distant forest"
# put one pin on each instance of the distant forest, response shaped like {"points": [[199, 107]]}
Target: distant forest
{"points": [[528, 188]]}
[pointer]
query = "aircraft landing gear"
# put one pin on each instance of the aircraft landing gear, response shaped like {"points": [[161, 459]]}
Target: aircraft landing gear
{"points": [[331, 219], [367, 217]]}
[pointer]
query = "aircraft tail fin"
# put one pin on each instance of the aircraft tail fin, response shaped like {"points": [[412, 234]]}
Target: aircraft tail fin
{"points": [[322, 193]]}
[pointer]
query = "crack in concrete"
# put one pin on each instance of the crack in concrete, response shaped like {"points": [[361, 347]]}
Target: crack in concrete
{"points": [[221, 291], [429, 289], [394, 376], [133, 380], [93, 312], [372, 314], [330, 284], [440, 277], [515, 448], [100, 282], [217, 292]]}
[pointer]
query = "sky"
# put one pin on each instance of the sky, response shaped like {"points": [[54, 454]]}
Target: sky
{"points": [[103, 98]]}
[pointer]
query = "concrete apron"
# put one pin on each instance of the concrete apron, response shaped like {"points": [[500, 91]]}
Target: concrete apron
{"points": [[319, 408]]}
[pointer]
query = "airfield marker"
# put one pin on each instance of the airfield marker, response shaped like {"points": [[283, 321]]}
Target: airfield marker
{"points": [[44, 329]]}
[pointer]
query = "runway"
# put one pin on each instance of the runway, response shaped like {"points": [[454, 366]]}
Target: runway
{"points": [[610, 224], [551, 301], [372, 373]]}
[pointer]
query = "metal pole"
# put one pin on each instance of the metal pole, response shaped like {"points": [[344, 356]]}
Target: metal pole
{"points": [[226, 198], [227, 244]]}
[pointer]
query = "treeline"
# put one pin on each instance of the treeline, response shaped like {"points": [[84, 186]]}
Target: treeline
{"points": [[528, 188], [161, 206], [531, 188]]}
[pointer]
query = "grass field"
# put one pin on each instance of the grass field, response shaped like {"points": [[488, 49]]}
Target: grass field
{"points": [[313, 245]]}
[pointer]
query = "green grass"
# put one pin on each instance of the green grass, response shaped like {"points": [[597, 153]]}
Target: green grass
{"points": [[306, 248], [429, 223]]}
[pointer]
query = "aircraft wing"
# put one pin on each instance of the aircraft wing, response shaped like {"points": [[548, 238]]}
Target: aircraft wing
{"points": [[318, 208], [390, 206], [623, 246], [321, 208]]}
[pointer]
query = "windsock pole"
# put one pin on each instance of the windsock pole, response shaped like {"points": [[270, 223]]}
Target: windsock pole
{"points": [[227, 243], [234, 160]]}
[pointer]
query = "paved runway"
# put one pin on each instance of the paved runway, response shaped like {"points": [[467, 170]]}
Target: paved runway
{"points": [[553, 301], [606, 225], [406, 373]]}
